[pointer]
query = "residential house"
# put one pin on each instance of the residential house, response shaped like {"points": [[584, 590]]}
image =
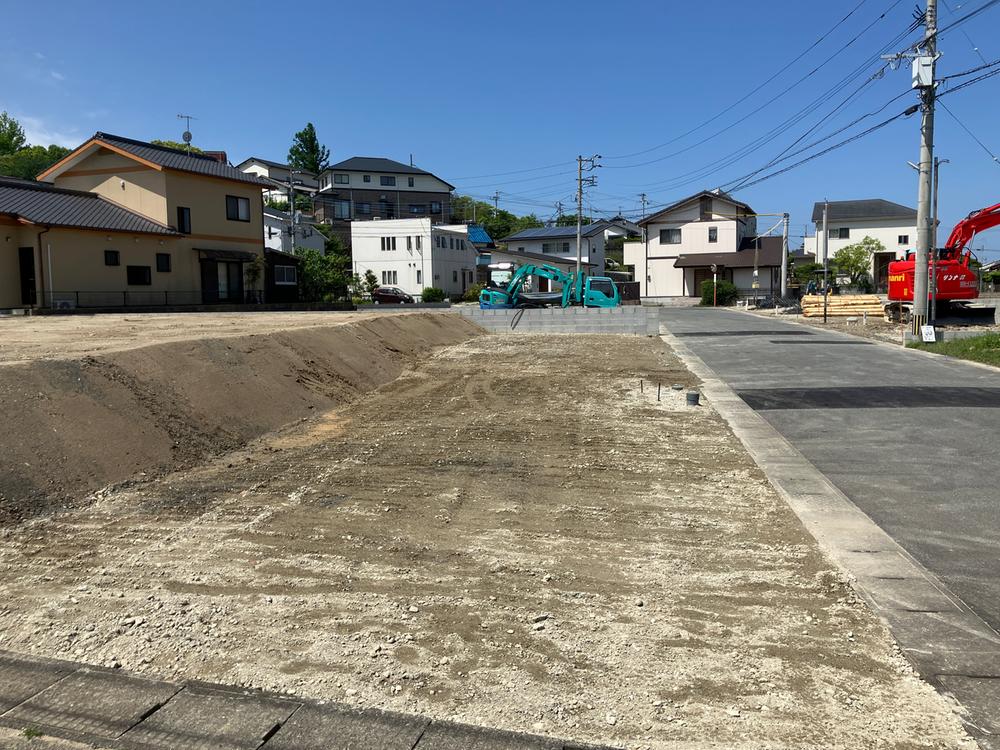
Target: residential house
{"points": [[685, 239], [413, 254], [367, 188], [849, 222], [278, 233], [278, 175], [281, 276], [123, 222], [560, 242]]}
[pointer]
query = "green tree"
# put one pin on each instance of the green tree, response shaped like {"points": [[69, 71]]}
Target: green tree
{"points": [[322, 278], [176, 145], [11, 135], [569, 220], [855, 260], [29, 161], [369, 283], [307, 153]]}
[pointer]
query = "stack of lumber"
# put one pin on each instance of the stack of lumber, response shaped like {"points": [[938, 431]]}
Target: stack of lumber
{"points": [[841, 305]]}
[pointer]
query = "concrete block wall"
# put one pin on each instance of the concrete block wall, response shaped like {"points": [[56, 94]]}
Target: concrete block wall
{"points": [[630, 320]]}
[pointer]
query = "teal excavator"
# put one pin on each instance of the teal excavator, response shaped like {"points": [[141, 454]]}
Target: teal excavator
{"points": [[589, 291]]}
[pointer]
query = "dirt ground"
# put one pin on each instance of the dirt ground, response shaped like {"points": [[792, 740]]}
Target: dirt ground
{"points": [[510, 534], [72, 336]]}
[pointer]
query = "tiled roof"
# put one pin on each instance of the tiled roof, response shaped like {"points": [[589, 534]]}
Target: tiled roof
{"points": [[768, 254], [44, 204], [172, 158], [870, 208], [712, 194], [378, 164], [553, 233], [270, 163]]}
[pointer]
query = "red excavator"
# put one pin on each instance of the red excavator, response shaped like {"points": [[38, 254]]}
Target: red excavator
{"points": [[956, 279]]}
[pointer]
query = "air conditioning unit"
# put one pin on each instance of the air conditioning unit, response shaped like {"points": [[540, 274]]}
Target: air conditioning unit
{"points": [[376, 218], [64, 304]]}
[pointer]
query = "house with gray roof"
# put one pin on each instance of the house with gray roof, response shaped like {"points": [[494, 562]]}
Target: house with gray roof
{"points": [[281, 176], [366, 188], [850, 221], [559, 242], [120, 222]]}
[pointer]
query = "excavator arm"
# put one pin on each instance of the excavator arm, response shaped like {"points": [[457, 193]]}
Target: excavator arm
{"points": [[970, 226]]}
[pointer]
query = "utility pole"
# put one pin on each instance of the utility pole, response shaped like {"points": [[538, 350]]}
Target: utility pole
{"points": [[826, 260], [496, 201], [934, 247], [645, 267], [581, 181], [784, 256], [923, 79]]}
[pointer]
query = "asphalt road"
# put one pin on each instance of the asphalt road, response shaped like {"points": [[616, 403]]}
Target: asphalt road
{"points": [[913, 440]]}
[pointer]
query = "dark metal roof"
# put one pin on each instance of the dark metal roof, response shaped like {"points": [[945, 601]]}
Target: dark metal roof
{"points": [[768, 254], [696, 196], [553, 233], [870, 208], [378, 164], [270, 163], [172, 158], [41, 203]]}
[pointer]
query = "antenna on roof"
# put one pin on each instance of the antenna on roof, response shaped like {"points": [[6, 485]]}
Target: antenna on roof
{"points": [[411, 160], [186, 135]]}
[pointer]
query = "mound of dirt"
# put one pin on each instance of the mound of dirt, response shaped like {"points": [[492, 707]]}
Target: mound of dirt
{"points": [[76, 425]]}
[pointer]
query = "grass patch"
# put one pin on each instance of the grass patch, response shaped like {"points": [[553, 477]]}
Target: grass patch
{"points": [[985, 348], [31, 733]]}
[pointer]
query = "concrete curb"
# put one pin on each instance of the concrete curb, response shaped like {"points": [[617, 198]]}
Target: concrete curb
{"points": [[946, 642]]}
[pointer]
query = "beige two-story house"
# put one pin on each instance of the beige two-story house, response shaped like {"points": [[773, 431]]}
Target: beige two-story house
{"points": [[120, 222]]}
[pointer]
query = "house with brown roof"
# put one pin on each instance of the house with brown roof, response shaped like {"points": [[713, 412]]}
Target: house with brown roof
{"points": [[120, 222], [685, 240]]}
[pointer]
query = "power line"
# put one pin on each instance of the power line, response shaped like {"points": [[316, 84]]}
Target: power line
{"points": [[967, 37], [972, 135], [735, 104]]}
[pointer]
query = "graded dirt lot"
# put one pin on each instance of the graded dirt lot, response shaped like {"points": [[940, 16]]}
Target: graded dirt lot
{"points": [[509, 534], [74, 336]]}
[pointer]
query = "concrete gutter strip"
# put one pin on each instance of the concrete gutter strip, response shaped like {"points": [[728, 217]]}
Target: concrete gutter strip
{"points": [[947, 643]]}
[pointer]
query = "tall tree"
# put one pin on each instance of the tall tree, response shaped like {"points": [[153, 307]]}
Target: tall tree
{"points": [[307, 153], [27, 162], [11, 135]]}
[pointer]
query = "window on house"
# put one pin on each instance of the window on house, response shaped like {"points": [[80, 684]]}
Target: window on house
{"points": [[342, 209], [363, 208], [409, 242], [385, 275], [286, 275], [454, 277], [395, 279], [409, 182], [841, 233], [420, 244], [462, 243], [903, 239], [435, 207], [520, 249], [367, 178], [705, 208], [565, 247], [341, 179], [237, 208], [451, 243], [419, 279], [385, 242], [184, 220], [112, 258], [393, 242], [546, 247], [163, 262], [417, 209], [670, 236], [386, 181], [138, 275]]}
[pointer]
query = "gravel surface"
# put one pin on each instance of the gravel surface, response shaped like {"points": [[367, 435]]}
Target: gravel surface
{"points": [[509, 534]]}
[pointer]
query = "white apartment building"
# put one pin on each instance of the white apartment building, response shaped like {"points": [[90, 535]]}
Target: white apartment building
{"points": [[684, 240], [278, 174], [849, 222], [560, 242], [413, 254]]}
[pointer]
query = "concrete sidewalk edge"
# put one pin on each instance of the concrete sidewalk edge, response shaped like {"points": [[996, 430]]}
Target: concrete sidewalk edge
{"points": [[924, 617]]}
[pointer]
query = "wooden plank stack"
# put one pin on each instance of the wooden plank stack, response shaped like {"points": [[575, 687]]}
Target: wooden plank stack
{"points": [[842, 305]]}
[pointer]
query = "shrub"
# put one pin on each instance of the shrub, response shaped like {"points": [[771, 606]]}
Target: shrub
{"points": [[726, 294], [472, 293], [432, 294]]}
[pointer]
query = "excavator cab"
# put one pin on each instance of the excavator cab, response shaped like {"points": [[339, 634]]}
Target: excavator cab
{"points": [[600, 291]]}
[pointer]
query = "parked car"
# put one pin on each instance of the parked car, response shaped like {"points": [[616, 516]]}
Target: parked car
{"points": [[391, 295]]}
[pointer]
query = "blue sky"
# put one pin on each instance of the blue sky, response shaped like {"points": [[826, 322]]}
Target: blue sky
{"points": [[474, 90]]}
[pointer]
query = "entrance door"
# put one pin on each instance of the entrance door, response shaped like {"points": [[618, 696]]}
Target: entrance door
{"points": [[230, 282], [701, 275], [26, 258]]}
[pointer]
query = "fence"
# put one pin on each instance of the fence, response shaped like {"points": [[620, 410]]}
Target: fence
{"points": [[168, 298]]}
